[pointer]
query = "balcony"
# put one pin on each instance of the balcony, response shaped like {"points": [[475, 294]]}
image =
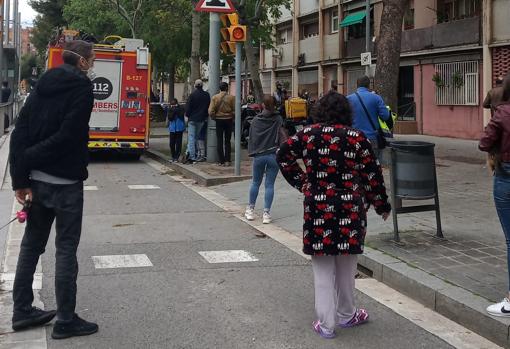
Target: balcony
{"points": [[311, 48], [455, 33], [331, 43], [355, 47]]}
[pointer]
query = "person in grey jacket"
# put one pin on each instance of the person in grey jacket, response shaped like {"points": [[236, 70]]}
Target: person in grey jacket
{"points": [[266, 135]]}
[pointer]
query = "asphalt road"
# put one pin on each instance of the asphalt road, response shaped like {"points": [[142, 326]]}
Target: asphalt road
{"points": [[182, 301]]}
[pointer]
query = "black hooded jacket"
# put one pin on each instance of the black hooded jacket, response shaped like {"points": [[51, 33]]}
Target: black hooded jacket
{"points": [[51, 133]]}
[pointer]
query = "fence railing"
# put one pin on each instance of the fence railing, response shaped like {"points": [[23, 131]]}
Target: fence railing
{"points": [[9, 112]]}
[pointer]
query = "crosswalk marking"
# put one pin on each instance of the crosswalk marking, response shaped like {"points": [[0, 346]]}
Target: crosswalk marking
{"points": [[230, 256], [121, 261], [142, 186], [90, 188]]}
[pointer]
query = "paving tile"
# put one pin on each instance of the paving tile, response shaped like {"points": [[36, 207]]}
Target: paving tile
{"points": [[466, 260], [493, 251], [475, 253]]}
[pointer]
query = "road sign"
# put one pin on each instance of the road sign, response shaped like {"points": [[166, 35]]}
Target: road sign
{"points": [[366, 58], [215, 6]]}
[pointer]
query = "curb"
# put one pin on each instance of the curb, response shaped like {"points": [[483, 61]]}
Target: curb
{"points": [[453, 302], [189, 171]]}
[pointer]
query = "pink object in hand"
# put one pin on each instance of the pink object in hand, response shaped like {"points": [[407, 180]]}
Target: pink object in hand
{"points": [[22, 216]]}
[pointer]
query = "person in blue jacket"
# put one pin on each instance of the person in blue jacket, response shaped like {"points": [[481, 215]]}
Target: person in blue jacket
{"points": [[176, 127], [375, 107]]}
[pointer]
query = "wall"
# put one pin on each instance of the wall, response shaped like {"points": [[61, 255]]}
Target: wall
{"points": [[331, 44], [286, 59], [311, 48], [444, 121], [500, 24], [424, 17], [308, 6]]}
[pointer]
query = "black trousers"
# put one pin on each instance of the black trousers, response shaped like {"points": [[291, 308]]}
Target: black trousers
{"points": [[223, 137], [63, 204], [175, 144]]}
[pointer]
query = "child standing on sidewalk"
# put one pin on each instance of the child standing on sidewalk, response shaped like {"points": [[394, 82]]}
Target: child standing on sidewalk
{"points": [[176, 127], [342, 179], [496, 141]]}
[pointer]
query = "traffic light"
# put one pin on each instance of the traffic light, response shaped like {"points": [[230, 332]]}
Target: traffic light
{"points": [[231, 32]]}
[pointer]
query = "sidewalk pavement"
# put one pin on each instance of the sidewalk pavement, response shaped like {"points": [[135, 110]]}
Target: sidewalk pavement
{"points": [[472, 256]]}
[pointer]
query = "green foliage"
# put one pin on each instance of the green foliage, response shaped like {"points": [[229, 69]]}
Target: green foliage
{"points": [[50, 17], [28, 62], [95, 17], [260, 16]]}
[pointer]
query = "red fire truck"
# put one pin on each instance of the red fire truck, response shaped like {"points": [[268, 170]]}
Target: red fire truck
{"points": [[120, 118]]}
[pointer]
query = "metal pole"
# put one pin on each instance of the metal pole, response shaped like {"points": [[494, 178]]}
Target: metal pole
{"points": [[367, 34], [2, 35], [214, 81], [239, 47]]}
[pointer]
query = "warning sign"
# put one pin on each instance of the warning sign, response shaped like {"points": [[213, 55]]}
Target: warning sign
{"points": [[225, 6]]}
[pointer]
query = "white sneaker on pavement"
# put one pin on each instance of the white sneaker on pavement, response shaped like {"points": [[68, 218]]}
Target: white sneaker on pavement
{"points": [[249, 214], [500, 309], [266, 218]]}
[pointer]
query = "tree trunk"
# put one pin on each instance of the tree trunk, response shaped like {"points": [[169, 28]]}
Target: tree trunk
{"points": [[388, 51], [195, 46], [171, 81], [253, 66]]}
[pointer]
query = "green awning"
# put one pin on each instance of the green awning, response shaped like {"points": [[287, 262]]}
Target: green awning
{"points": [[353, 18]]}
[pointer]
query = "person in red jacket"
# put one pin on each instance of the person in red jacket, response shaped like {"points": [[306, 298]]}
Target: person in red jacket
{"points": [[496, 141]]}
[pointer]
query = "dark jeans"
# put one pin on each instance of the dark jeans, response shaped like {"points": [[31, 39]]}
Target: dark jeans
{"points": [[224, 132], [175, 144], [502, 201], [63, 203]]}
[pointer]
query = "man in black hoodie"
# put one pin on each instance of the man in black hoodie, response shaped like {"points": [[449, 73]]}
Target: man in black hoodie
{"points": [[48, 162]]}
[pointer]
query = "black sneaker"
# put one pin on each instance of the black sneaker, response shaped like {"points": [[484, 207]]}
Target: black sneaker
{"points": [[30, 318], [76, 327]]}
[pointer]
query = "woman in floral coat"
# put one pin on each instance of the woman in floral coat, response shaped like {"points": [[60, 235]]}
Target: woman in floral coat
{"points": [[342, 180]]}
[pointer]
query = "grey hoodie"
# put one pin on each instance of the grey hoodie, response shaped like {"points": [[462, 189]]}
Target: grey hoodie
{"points": [[265, 133]]}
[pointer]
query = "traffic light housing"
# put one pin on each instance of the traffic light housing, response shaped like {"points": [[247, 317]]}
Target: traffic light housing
{"points": [[231, 32]]}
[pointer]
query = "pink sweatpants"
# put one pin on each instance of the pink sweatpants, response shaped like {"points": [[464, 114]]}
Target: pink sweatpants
{"points": [[334, 289]]}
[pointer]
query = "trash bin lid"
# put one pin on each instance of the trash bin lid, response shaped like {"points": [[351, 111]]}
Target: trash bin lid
{"points": [[411, 145]]}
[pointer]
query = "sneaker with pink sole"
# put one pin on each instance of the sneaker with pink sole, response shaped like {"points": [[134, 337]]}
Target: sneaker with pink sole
{"points": [[360, 317], [320, 331]]}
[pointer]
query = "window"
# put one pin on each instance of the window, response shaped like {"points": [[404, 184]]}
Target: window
{"points": [[457, 83], [409, 17], [309, 30], [451, 10], [334, 21], [283, 36]]}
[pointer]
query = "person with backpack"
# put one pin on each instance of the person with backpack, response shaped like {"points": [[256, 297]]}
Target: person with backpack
{"points": [[367, 108], [222, 109], [176, 127]]}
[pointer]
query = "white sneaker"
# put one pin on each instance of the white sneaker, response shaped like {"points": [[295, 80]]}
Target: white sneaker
{"points": [[266, 218], [500, 309], [249, 214]]}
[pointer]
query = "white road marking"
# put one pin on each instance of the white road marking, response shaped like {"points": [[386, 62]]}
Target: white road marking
{"points": [[90, 188], [438, 325], [229, 256], [142, 186], [446, 329], [122, 261]]}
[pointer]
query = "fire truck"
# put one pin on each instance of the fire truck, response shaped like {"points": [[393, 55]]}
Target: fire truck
{"points": [[120, 117]]}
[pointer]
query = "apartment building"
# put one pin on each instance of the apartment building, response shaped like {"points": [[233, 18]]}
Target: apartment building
{"points": [[26, 41], [444, 42]]}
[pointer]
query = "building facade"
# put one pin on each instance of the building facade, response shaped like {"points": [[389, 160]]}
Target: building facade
{"points": [[441, 82], [26, 42]]}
